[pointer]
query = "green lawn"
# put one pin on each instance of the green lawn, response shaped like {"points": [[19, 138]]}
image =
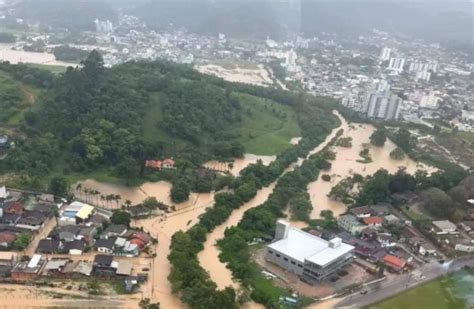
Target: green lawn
{"points": [[265, 130], [439, 294], [12, 116]]}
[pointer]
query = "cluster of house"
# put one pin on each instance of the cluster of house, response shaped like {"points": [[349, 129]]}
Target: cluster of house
{"points": [[370, 235], [380, 236], [160, 164], [19, 214], [78, 230], [103, 266]]}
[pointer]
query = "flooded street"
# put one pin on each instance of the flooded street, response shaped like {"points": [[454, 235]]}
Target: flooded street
{"points": [[17, 56], [158, 288], [346, 164]]}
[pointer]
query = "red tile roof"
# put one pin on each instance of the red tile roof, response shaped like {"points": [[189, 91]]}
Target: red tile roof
{"points": [[394, 261], [7, 237], [373, 220]]}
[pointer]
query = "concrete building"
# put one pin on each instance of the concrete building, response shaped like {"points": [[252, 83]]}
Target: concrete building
{"points": [[396, 64], [306, 255], [385, 54], [28, 270], [382, 105], [444, 227], [418, 66], [429, 101], [350, 224], [423, 75]]}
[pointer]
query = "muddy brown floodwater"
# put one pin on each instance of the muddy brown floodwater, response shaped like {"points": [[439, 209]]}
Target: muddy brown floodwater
{"points": [[209, 256], [346, 164], [17, 56]]}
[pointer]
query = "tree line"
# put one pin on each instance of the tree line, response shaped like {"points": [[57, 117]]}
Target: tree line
{"points": [[187, 277]]}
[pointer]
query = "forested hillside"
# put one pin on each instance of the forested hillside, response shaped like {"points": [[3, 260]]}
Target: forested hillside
{"points": [[94, 119]]}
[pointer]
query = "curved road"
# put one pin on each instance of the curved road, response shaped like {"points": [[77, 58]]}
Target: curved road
{"points": [[401, 283]]}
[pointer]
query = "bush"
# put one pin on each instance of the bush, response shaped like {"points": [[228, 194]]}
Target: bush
{"points": [[326, 177], [397, 154]]}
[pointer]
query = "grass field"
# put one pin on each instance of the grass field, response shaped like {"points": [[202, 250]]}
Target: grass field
{"points": [[12, 116], [265, 130], [444, 293]]}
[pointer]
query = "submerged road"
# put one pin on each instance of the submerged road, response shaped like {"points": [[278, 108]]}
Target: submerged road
{"points": [[401, 283]]}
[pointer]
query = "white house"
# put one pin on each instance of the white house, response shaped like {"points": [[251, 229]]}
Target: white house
{"points": [[444, 227]]}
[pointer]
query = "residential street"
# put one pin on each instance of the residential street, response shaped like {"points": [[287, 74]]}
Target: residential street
{"points": [[400, 283]]}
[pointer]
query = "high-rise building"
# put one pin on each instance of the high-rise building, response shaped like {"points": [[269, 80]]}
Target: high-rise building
{"points": [[417, 66], [103, 26], [382, 104], [385, 54], [396, 64], [423, 75]]}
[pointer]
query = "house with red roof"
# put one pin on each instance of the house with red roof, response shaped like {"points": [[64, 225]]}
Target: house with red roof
{"points": [[158, 164], [13, 208], [394, 262], [373, 221], [7, 238]]}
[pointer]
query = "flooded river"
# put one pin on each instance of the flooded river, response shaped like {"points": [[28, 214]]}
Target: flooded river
{"points": [[346, 164], [158, 287], [20, 56], [209, 257]]}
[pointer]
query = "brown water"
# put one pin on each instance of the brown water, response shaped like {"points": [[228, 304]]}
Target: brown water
{"points": [[160, 190], [209, 257], [17, 56], [238, 164], [346, 164]]}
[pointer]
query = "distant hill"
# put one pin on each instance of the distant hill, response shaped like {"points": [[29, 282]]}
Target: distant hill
{"points": [[74, 15], [95, 118]]}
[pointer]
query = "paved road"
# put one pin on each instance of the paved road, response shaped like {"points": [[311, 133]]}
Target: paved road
{"points": [[400, 283]]}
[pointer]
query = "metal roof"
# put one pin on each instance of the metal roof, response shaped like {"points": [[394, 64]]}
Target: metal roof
{"points": [[85, 212], [302, 246]]}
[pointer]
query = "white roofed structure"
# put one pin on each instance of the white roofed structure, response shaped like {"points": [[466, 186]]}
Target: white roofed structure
{"points": [[305, 254]]}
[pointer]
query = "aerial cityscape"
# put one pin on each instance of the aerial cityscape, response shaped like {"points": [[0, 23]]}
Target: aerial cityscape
{"points": [[236, 154]]}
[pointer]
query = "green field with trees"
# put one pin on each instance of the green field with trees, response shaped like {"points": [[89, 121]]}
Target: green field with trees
{"points": [[267, 127], [16, 98]]}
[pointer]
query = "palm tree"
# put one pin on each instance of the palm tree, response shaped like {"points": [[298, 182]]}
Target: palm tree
{"points": [[117, 198], [96, 194], [86, 193], [109, 198], [79, 187], [128, 203], [102, 198]]}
